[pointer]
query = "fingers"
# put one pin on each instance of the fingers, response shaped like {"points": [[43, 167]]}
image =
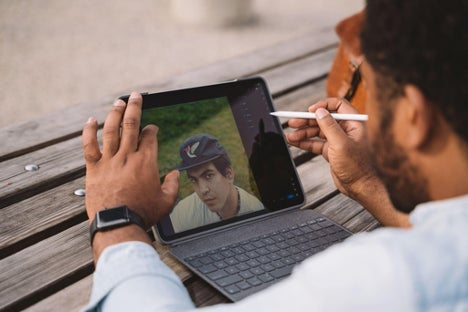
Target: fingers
{"points": [[302, 134], [334, 105], [329, 127], [131, 124], [148, 140], [111, 130], [170, 185], [89, 142]]}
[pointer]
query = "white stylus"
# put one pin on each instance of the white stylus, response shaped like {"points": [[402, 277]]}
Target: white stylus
{"points": [[307, 115]]}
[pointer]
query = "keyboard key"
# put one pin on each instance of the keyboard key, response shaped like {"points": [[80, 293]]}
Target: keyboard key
{"points": [[217, 274], [278, 238], [226, 281], [252, 254], [257, 271], [274, 256], [242, 267], [268, 241], [263, 259], [254, 281], [231, 261], [195, 263], [238, 250], [217, 257], [207, 269], [259, 244], [227, 253], [272, 248], [267, 267], [232, 289], [220, 264], [246, 274], [232, 270], [288, 260], [266, 278], [278, 264], [263, 251], [242, 258], [282, 272], [243, 285]]}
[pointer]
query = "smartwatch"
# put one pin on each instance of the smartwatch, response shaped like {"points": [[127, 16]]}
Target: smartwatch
{"points": [[112, 218]]}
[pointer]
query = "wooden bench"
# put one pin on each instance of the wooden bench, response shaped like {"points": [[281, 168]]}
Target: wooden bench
{"points": [[45, 257]]}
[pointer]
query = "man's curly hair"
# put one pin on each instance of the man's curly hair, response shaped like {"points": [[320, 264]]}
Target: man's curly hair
{"points": [[424, 43]]}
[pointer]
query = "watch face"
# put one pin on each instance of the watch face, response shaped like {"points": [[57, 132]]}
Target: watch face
{"points": [[112, 217]]}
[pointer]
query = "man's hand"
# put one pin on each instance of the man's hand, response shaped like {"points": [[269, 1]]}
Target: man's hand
{"points": [[126, 172], [343, 145]]}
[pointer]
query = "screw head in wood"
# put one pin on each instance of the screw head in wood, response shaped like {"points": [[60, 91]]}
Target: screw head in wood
{"points": [[31, 167], [80, 192]]}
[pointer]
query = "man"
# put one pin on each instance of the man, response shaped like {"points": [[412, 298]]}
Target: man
{"points": [[416, 138], [216, 198]]}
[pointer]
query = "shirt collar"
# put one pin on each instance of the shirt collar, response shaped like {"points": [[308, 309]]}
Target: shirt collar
{"points": [[440, 209]]}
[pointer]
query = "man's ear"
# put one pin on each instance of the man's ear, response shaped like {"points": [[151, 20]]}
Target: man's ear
{"points": [[419, 115], [229, 173]]}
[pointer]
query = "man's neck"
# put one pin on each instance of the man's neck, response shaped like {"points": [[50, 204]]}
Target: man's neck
{"points": [[232, 205], [448, 170]]}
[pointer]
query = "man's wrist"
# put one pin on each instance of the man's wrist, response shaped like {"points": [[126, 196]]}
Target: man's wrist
{"points": [[112, 218]]}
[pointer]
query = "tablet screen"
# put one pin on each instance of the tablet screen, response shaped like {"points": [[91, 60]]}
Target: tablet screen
{"points": [[231, 153]]}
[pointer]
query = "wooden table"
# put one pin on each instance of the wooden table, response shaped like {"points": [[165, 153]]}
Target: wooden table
{"points": [[45, 257]]}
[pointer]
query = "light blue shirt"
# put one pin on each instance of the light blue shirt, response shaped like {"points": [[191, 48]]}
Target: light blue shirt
{"points": [[420, 269]]}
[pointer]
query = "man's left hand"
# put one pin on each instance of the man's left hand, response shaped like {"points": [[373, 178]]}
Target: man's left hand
{"points": [[126, 171]]}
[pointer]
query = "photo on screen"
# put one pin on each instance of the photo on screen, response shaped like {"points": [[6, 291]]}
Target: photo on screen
{"points": [[211, 117]]}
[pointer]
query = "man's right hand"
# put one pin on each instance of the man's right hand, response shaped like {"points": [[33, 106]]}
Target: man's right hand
{"points": [[343, 145]]}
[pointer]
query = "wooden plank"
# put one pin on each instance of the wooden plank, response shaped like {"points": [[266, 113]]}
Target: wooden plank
{"points": [[58, 164], [45, 267], [31, 135], [40, 270], [362, 222], [294, 75], [301, 99], [73, 297], [77, 295], [316, 180], [341, 209], [36, 218]]}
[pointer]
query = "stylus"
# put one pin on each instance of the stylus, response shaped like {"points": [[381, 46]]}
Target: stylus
{"points": [[307, 115]]}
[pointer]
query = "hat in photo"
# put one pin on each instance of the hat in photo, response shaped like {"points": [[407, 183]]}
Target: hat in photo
{"points": [[200, 149]]}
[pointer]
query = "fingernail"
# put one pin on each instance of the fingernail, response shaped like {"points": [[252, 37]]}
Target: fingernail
{"points": [[119, 103], [321, 113], [91, 120], [134, 94]]}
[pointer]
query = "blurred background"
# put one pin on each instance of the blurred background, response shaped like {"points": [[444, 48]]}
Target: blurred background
{"points": [[57, 53]]}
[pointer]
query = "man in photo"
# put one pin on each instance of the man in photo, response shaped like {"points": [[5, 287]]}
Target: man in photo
{"points": [[215, 197]]}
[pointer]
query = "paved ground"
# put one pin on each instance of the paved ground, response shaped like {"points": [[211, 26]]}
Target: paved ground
{"points": [[56, 53]]}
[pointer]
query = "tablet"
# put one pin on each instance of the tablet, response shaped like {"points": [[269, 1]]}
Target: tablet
{"points": [[234, 162]]}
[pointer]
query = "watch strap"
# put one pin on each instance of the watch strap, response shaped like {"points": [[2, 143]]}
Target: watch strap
{"points": [[123, 216]]}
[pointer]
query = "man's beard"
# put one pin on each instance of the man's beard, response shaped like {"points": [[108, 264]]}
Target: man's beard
{"points": [[405, 184]]}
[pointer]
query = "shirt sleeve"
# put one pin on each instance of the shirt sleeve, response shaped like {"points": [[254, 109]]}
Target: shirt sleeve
{"points": [[354, 276], [131, 277]]}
